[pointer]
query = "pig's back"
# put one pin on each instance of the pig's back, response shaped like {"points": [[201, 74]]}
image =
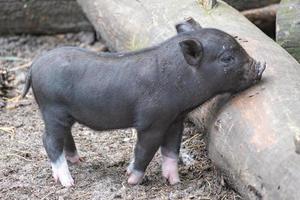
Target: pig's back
{"points": [[87, 84]]}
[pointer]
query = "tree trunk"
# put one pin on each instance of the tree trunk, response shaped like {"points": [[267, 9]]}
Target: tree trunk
{"points": [[250, 4], [5, 83], [252, 140], [42, 17], [288, 27], [264, 18]]}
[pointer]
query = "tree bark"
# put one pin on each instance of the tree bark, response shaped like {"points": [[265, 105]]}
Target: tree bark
{"points": [[253, 139], [5, 82], [288, 26], [42, 17], [250, 4], [264, 18]]}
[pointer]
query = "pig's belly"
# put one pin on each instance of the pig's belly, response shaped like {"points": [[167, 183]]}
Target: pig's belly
{"points": [[103, 117]]}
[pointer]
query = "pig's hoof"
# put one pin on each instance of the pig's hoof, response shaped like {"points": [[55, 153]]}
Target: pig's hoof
{"points": [[172, 179], [64, 178], [170, 170], [75, 159], [135, 177]]}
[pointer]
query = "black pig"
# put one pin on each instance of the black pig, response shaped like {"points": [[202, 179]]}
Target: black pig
{"points": [[151, 90]]}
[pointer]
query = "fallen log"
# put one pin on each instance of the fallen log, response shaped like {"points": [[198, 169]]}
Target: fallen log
{"points": [[288, 27], [5, 82], [42, 17], [264, 18], [250, 4], [253, 139]]}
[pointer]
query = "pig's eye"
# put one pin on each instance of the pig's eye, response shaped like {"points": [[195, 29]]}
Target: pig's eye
{"points": [[227, 59]]}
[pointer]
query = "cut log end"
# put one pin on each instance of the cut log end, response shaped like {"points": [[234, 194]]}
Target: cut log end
{"points": [[209, 4]]}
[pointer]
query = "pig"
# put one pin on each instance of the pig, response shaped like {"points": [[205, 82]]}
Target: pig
{"points": [[151, 90]]}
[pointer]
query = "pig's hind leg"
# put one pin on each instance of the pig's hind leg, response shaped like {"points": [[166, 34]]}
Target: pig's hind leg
{"points": [[70, 148], [170, 151], [57, 125]]}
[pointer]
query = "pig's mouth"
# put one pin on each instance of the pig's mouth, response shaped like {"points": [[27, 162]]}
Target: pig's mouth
{"points": [[259, 69], [252, 75], [255, 71]]}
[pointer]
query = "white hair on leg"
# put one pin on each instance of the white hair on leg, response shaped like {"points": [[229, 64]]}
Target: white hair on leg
{"points": [[61, 171]]}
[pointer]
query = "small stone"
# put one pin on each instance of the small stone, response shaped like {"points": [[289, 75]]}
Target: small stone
{"points": [[87, 37], [118, 196], [297, 142]]}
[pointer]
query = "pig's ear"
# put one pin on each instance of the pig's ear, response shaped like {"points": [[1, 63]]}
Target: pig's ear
{"points": [[183, 27], [188, 25], [193, 23], [192, 51]]}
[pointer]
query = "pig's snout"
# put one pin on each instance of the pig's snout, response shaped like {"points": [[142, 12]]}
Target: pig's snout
{"points": [[252, 74], [259, 68]]}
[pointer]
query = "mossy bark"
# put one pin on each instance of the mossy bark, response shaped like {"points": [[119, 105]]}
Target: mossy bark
{"points": [[250, 4], [264, 18], [288, 27], [42, 17]]}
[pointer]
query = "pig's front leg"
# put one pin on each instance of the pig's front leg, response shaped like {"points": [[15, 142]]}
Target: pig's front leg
{"points": [[148, 142], [170, 151]]}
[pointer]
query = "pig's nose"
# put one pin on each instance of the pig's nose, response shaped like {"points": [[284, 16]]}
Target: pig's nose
{"points": [[260, 68]]}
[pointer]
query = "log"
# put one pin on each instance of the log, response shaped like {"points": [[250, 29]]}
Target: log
{"points": [[42, 17], [264, 18], [5, 82], [288, 27], [250, 4], [253, 139]]}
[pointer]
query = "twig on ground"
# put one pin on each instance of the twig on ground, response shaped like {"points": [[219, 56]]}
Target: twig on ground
{"points": [[12, 58], [11, 130], [8, 129], [190, 138], [19, 156], [14, 99], [47, 195], [26, 65]]}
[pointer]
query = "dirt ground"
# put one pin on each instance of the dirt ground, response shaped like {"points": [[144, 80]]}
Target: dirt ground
{"points": [[25, 171]]}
